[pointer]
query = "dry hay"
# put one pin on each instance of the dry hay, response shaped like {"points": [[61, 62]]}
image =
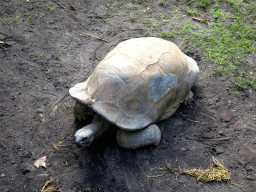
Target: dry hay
{"points": [[168, 168], [216, 172], [49, 186]]}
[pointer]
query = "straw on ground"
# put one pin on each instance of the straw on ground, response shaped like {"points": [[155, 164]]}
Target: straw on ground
{"points": [[216, 172]]}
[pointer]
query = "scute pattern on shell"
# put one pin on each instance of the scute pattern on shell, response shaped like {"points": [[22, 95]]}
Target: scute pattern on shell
{"points": [[137, 82]]}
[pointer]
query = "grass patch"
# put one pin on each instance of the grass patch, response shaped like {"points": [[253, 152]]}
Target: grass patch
{"points": [[186, 29], [155, 27], [149, 10], [161, 2], [15, 19], [228, 43], [107, 9], [216, 12], [159, 15], [5, 69], [148, 21], [128, 7], [34, 53], [57, 52], [192, 12], [199, 3], [51, 9], [111, 23], [128, 27], [49, 69], [167, 35], [54, 26], [146, 35]]}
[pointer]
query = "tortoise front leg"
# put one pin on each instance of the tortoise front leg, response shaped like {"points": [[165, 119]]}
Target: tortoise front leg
{"points": [[150, 135], [87, 134]]}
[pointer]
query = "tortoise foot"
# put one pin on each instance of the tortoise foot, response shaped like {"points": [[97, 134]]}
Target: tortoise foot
{"points": [[136, 139], [189, 98]]}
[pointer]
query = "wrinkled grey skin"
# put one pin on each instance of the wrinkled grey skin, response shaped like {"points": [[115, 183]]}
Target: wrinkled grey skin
{"points": [[87, 134], [151, 135], [127, 139]]}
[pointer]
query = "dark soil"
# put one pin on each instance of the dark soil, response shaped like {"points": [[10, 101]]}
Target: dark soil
{"points": [[36, 110]]}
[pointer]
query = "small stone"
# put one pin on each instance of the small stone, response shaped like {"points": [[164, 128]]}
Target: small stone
{"points": [[219, 150], [249, 168], [250, 178], [221, 133]]}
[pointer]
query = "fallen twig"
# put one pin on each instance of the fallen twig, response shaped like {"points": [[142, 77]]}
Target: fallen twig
{"points": [[62, 6], [216, 139], [95, 37], [193, 121], [155, 175]]}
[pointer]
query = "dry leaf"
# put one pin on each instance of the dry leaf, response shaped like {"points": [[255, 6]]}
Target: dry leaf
{"points": [[1, 42], [40, 162], [2, 175]]}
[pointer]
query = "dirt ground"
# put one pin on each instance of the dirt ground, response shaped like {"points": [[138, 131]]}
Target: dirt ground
{"points": [[38, 65]]}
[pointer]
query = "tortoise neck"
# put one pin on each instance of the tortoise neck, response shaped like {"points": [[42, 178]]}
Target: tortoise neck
{"points": [[99, 125]]}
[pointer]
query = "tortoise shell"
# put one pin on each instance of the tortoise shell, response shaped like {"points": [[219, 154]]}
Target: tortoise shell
{"points": [[139, 82]]}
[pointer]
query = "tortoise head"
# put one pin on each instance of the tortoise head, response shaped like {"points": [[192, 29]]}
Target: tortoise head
{"points": [[84, 137]]}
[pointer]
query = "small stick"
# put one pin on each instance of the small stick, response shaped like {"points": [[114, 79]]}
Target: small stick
{"points": [[155, 175], [95, 37], [193, 121], [62, 6]]}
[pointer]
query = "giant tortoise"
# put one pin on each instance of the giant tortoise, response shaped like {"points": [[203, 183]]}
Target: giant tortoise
{"points": [[140, 82]]}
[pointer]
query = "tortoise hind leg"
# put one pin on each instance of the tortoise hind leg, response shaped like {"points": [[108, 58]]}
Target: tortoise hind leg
{"points": [[150, 135], [82, 112], [188, 98]]}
